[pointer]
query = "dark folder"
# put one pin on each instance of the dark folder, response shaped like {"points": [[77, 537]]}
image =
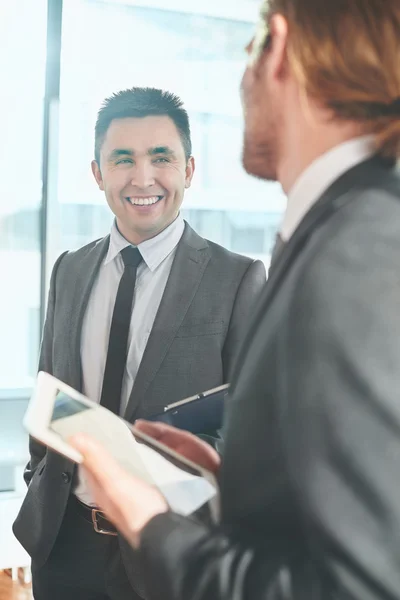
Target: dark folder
{"points": [[197, 414]]}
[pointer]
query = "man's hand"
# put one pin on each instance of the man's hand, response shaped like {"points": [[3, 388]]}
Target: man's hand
{"points": [[183, 442], [128, 502]]}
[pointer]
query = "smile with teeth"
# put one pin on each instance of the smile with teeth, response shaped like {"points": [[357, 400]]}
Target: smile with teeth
{"points": [[138, 201]]}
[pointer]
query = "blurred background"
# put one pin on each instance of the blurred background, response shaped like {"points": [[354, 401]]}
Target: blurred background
{"points": [[58, 61]]}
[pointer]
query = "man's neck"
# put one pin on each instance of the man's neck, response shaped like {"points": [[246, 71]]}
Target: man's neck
{"points": [[305, 144], [136, 238]]}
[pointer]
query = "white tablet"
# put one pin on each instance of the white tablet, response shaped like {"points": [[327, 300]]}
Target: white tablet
{"points": [[56, 412]]}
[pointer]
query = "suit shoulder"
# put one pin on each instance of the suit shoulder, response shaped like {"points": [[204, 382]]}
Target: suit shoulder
{"points": [[233, 267], [347, 284], [70, 257], [359, 240], [372, 216], [232, 258]]}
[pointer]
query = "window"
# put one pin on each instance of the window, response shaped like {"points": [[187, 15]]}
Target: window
{"points": [[22, 74], [194, 51]]}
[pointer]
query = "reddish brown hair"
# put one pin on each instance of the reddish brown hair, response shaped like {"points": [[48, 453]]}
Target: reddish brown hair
{"points": [[346, 55]]}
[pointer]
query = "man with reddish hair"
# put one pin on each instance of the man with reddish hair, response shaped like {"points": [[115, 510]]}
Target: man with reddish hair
{"points": [[310, 503]]}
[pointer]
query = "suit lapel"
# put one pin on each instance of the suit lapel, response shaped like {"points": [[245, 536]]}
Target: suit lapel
{"points": [[191, 259], [335, 197], [88, 270]]}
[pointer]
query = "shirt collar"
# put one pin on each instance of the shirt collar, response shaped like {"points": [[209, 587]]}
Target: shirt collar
{"points": [[320, 175], [154, 250]]}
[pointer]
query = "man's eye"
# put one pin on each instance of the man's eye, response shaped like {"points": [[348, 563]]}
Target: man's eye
{"points": [[161, 160], [124, 161]]}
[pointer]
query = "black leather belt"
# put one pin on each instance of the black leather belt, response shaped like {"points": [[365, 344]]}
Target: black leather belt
{"points": [[96, 517]]}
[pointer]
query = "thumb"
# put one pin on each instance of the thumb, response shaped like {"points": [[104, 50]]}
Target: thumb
{"points": [[96, 459]]}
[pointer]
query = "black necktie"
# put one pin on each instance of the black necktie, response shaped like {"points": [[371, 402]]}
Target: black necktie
{"points": [[118, 340]]}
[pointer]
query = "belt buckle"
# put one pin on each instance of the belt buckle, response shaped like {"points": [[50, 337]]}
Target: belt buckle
{"points": [[97, 529]]}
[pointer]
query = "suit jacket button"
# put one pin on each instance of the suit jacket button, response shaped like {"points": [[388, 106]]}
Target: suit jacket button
{"points": [[66, 477]]}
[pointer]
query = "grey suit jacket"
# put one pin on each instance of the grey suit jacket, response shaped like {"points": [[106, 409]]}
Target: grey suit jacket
{"points": [[201, 320], [310, 493]]}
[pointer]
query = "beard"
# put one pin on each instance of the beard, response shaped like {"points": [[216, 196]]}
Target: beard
{"points": [[259, 155]]}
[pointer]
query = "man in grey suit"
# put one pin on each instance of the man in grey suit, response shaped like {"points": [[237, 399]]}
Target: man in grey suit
{"points": [[191, 299], [310, 494]]}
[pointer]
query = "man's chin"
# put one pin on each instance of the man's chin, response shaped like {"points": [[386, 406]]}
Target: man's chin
{"points": [[258, 163], [259, 167]]}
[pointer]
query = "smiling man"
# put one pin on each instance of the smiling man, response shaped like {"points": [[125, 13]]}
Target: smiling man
{"points": [[148, 315], [144, 166]]}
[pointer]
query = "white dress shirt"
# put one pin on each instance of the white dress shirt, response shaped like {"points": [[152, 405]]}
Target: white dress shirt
{"points": [[152, 275], [316, 179]]}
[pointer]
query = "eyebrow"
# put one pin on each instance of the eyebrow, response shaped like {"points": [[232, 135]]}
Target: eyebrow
{"points": [[165, 150], [118, 152]]}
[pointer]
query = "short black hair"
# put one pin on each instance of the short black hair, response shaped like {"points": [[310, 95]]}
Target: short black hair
{"points": [[141, 102]]}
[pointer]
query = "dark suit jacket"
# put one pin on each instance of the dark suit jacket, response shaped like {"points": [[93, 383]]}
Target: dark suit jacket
{"points": [[310, 481], [202, 317]]}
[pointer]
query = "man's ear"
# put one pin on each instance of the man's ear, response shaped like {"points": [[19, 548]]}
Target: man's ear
{"points": [[97, 175], [277, 48], [190, 168]]}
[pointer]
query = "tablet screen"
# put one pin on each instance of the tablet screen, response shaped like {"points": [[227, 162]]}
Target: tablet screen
{"points": [[65, 406]]}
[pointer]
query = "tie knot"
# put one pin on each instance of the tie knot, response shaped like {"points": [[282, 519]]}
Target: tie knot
{"points": [[131, 256]]}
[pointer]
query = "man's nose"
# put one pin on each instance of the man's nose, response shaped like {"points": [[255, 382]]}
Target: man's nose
{"points": [[142, 176]]}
